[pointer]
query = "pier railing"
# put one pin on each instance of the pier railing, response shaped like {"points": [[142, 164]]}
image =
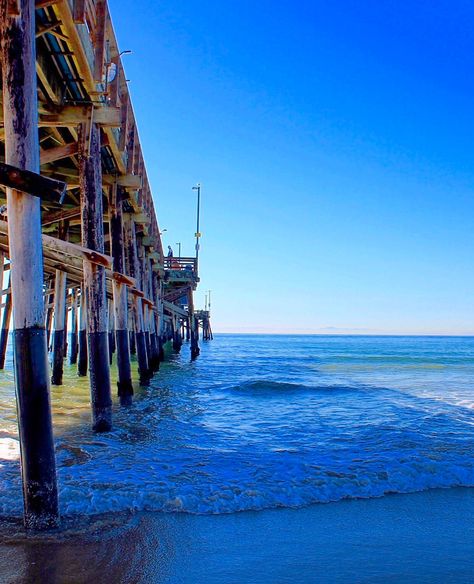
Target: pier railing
{"points": [[189, 264]]}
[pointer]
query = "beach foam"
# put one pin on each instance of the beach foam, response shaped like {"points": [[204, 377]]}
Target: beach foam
{"points": [[222, 435]]}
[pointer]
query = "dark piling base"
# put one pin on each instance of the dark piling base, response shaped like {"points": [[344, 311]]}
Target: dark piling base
{"points": [[74, 349], [125, 387], [148, 352], [111, 346], [155, 355], [58, 358], [177, 342], [82, 360], [5, 328], [161, 352], [133, 346], [36, 434], [100, 382], [143, 368]]}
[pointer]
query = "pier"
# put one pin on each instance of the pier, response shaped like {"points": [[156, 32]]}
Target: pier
{"points": [[79, 232]]}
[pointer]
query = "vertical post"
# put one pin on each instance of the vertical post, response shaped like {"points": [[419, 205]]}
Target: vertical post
{"points": [[90, 182], [141, 278], [59, 322], [82, 349], [7, 313], [134, 268], [194, 328], [154, 337], [142, 357], [20, 111], [74, 347], [49, 311], [177, 342], [120, 293], [110, 319]]}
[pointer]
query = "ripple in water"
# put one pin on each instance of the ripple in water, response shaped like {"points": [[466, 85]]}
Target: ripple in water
{"points": [[265, 421]]}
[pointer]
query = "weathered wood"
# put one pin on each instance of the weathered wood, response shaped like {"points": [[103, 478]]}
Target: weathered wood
{"points": [[194, 328], [45, 3], [49, 218], [155, 333], [76, 251], [79, 12], [32, 183], [99, 40], [70, 116], [134, 271], [59, 327], [94, 283], [7, 313], [124, 383], [24, 222], [74, 345], [58, 153], [58, 248], [82, 337], [110, 315]]}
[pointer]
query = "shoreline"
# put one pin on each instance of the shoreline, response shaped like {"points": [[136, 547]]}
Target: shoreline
{"points": [[424, 537]]}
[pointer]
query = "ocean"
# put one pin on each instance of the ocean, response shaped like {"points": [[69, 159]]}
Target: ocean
{"points": [[260, 422]]}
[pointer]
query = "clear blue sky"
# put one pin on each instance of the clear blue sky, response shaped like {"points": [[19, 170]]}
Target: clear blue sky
{"points": [[334, 143]]}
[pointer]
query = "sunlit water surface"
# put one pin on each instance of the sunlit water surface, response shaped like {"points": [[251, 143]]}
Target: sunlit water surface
{"points": [[264, 421]]}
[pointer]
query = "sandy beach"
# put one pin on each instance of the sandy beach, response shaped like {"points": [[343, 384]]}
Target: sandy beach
{"points": [[424, 537]]}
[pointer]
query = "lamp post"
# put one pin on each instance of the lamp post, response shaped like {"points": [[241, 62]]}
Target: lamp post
{"points": [[198, 235], [179, 249]]}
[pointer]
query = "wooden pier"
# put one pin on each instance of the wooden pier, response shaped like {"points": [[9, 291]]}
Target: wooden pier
{"points": [[78, 229]]}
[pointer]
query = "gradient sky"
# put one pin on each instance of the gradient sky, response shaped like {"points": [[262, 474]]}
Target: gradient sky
{"points": [[333, 141]]}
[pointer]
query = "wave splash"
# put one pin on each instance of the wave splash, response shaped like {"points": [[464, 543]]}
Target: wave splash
{"points": [[230, 434]]}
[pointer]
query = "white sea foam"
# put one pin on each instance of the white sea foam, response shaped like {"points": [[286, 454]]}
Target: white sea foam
{"points": [[224, 434]]}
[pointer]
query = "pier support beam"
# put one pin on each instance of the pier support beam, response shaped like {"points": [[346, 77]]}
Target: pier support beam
{"points": [[110, 318], [138, 321], [59, 327], [82, 337], [140, 340], [90, 181], [7, 313], [194, 327], [120, 293], [20, 109], [74, 346]]}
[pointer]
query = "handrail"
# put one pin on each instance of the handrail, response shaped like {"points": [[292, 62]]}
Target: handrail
{"points": [[180, 264]]}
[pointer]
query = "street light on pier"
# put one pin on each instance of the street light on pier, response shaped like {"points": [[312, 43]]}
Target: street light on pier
{"points": [[179, 249], [198, 234]]}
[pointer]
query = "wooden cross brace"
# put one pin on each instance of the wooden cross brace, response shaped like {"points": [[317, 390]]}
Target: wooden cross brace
{"points": [[47, 189]]}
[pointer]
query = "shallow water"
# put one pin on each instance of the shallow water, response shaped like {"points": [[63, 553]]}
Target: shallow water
{"points": [[261, 422]]}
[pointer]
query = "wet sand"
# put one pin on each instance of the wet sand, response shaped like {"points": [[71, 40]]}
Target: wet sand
{"points": [[424, 537]]}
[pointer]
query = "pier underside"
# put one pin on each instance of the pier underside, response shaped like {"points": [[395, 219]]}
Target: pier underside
{"points": [[78, 226]]}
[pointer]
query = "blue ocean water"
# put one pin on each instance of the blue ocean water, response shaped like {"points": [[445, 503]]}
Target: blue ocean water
{"points": [[260, 421]]}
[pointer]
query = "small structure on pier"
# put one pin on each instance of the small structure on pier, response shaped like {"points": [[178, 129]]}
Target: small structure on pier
{"points": [[78, 226]]}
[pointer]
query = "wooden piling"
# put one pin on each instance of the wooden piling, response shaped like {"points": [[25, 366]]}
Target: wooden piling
{"points": [[111, 331], [90, 181], [134, 271], [74, 344], [7, 313], [194, 327], [82, 337], [18, 58], [59, 327], [120, 294]]}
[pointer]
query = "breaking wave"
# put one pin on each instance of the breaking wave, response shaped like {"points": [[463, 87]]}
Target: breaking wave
{"points": [[202, 440]]}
